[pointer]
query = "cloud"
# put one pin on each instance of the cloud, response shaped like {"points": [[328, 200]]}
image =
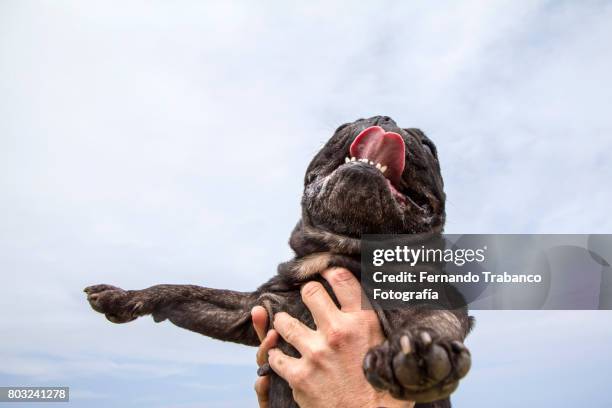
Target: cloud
{"points": [[47, 368], [145, 143]]}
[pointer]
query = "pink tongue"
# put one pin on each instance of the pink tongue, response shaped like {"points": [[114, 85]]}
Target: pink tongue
{"points": [[378, 146]]}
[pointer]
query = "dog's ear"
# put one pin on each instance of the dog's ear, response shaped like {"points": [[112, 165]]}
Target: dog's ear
{"points": [[329, 156], [420, 135], [415, 132], [342, 126]]}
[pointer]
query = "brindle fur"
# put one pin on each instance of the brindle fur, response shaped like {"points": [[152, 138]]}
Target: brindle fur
{"points": [[340, 203]]}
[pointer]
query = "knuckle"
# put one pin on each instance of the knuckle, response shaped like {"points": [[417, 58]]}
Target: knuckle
{"points": [[311, 289], [291, 328], [318, 354], [342, 276], [336, 336], [300, 378]]}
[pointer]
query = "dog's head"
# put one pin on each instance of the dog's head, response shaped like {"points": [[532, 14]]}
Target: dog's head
{"points": [[373, 177]]}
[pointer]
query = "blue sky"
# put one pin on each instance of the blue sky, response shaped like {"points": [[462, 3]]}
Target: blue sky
{"points": [[165, 142]]}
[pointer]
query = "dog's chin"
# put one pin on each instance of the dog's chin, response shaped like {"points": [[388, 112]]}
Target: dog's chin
{"points": [[356, 199]]}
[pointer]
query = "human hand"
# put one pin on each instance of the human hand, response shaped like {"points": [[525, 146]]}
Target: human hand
{"points": [[329, 373], [259, 316]]}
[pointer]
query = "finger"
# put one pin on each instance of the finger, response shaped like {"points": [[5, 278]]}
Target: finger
{"points": [[319, 303], [293, 331], [269, 342], [284, 365], [259, 316], [346, 288], [262, 389]]}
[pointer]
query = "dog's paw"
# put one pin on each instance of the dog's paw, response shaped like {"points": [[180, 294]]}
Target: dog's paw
{"points": [[118, 305], [417, 365]]}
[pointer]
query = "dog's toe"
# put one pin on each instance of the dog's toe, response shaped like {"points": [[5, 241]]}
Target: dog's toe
{"points": [[417, 366], [98, 288], [115, 303]]}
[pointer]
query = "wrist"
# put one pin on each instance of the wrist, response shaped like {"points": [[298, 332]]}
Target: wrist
{"points": [[384, 400]]}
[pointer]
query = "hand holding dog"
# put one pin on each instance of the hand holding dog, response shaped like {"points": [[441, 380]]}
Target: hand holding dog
{"points": [[329, 373]]}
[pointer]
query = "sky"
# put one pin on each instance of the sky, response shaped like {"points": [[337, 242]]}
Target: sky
{"points": [[150, 142]]}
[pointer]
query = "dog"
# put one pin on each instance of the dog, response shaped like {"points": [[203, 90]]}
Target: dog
{"points": [[371, 177]]}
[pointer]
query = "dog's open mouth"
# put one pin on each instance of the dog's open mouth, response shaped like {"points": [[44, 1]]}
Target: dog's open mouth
{"points": [[384, 150]]}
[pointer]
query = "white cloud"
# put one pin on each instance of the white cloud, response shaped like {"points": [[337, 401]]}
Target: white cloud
{"points": [[147, 142]]}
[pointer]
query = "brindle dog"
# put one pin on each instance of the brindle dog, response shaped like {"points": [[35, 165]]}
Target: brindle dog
{"points": [[371, 177]]}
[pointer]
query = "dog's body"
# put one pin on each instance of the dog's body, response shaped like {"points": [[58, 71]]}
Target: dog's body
{"points": [[423, 357]]}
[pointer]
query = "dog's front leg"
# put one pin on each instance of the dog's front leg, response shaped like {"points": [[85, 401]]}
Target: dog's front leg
{"points": [[221, 314], [423, 359]]}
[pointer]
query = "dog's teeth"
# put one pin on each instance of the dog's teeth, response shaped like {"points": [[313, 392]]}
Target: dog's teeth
{"points": [[353, 159], [378, 166], [346, 160], [372, 163], [363, 160], [383, 168]]}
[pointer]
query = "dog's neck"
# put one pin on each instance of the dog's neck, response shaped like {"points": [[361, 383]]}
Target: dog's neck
{"points": [[307, 239]]}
